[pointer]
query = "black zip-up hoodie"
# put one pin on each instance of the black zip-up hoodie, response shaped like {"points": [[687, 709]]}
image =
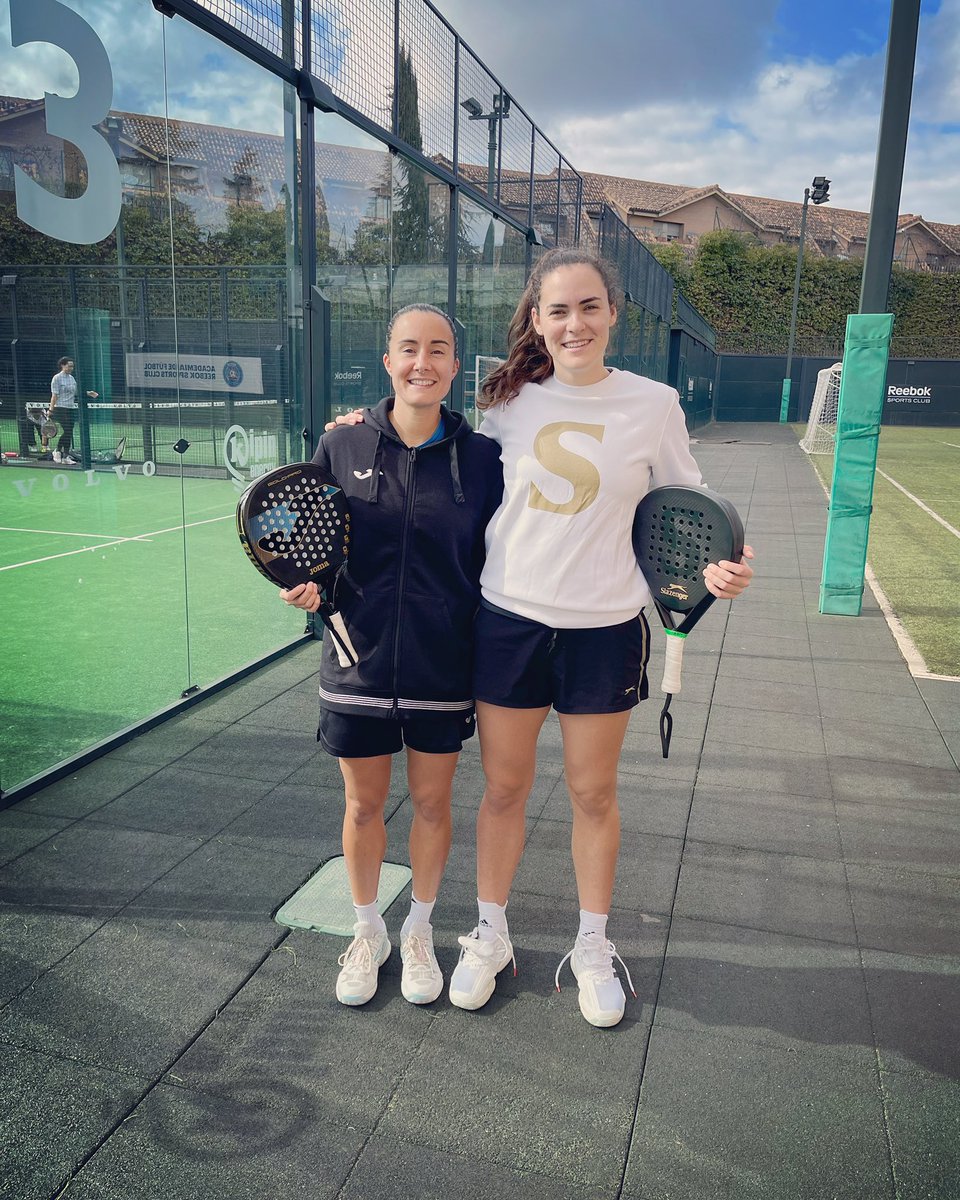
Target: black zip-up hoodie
{"points": [[412, 582]]}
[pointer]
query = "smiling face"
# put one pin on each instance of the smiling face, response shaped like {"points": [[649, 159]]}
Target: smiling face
{"points": [[421, 360], [574, 317]]}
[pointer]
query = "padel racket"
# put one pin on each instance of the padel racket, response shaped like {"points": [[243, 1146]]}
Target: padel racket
{"points": [[294, 524], [677, 531], [49, 428]]}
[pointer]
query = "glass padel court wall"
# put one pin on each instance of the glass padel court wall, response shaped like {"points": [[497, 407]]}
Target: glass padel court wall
{"points": [[208, 212]]}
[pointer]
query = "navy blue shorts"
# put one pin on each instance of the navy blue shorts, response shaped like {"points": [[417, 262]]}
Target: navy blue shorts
{"points": [[523, 664], [347, 735]]}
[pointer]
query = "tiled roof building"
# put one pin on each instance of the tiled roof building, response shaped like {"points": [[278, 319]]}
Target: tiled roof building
{"points": [[663, 212]]}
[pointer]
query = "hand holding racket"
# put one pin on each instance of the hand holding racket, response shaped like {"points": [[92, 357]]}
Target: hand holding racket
{"points": [[677, 533], [294, 525]]}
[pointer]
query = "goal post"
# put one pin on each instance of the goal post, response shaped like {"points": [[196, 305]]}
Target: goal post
{"points": [[821, 434], [483, 364]]}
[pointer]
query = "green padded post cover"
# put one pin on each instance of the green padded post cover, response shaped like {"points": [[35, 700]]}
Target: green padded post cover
{"points": [[862, 388]]}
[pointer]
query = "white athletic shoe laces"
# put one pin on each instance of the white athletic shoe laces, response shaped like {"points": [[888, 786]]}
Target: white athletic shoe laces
{"points": [[421, 981], [361, 962], [475, 975], [602, 1000]]}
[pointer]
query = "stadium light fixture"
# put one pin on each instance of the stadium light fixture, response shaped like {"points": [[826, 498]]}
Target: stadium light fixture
{"points": [[819, 193], [499, 112]]}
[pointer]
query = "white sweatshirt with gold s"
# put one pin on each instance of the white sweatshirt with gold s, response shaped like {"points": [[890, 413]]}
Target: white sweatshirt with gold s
{"points": [[576, 463]]}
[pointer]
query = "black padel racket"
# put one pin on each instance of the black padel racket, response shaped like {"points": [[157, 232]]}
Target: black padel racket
{"points": [[676, 532], [49, 428], [295, 527]]}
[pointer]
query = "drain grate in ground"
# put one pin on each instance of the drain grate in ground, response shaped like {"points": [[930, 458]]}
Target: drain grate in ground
{"points": [[324, 904]]}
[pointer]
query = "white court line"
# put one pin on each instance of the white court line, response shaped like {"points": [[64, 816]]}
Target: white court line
{"points": [[953, 444], [108, 537], [117, 542], [920, 504]]}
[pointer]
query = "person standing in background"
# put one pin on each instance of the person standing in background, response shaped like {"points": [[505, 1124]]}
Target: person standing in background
{"points": [[63, 407]]}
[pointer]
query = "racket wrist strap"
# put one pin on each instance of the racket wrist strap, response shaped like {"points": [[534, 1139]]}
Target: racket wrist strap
{"points": [[666, 726]]}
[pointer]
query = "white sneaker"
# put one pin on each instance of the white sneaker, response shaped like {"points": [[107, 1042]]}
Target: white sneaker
{"points": [[361, 961], [601, 995], [57, 456], [420, 980], [475, 975], [71, 460]]}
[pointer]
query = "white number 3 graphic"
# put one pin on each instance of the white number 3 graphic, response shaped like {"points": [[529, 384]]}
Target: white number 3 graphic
{"points": [[94, 215]]}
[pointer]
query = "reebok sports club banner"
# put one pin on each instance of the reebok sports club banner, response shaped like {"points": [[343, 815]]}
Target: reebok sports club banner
{"points": [[199, 372]]}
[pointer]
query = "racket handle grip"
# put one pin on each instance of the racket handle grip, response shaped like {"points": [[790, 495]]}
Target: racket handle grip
{"points": [[346, 654], [673, 663]]}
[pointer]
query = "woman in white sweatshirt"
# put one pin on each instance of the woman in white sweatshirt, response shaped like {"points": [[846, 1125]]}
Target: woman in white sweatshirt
{"points": [[561, 623]]}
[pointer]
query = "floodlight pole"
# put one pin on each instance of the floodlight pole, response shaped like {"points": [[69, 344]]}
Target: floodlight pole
{"points": [[820, 195], [891, 148], [785, 392]]}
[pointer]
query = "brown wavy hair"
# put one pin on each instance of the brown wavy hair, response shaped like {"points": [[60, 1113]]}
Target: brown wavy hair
{"points": [[527, 358]]}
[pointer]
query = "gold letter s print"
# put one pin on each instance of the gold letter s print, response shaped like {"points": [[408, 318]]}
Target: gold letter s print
{"points": [[579, 472]]}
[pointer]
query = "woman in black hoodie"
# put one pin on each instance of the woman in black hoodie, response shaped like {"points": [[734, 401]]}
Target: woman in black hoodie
{"points": [[421, 487]]}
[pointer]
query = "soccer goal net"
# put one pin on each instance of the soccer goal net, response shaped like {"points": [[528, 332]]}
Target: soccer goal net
{"points": [[483, 364], [821, 434]]}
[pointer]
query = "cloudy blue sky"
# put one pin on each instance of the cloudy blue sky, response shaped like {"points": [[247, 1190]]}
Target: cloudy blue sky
{"points": [[756, 95]]}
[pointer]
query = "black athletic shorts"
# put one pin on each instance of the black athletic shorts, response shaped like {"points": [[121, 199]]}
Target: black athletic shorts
{"points": [[346, 735], [523, 664]]}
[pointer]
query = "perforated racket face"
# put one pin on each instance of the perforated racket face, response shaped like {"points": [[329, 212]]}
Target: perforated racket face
{"points": [[294, 525], [49, 428], [676, 532]]}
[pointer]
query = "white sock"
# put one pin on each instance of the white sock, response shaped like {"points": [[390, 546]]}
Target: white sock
{"points": [[369, 914], [493, 919], [592, 924], [420, 913]]}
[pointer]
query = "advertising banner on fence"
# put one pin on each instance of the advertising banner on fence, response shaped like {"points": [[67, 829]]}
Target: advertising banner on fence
{"points": [[200, 372]]}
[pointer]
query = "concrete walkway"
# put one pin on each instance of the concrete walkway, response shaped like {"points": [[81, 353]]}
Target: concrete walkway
{"points": [[787, 903]]}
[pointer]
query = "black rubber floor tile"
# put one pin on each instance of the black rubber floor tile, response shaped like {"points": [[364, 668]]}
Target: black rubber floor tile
{"points": [[886, 679], [90, 788], [901, 712], [901, 785], [804, 897], [766, 988], [223, 879], [165, 742], [905, 912], [286, 1035], [180, 800], [306, 822], [270, 754], [864, 739], [737, 671], [134, 993], [21, 831], [388, 1167], [33, 939], [234, 702], [722, 1118], [742, 643], [923, 1115], [646, 875], [915, 1003], [745, 626], [92, 867], [759, 694], [293, 712], [880, 835], [541, 1092], [54, 1112], [942, 698], [757, 821], [772, 770], [263, 1138], [643, 756], [772, 730]]}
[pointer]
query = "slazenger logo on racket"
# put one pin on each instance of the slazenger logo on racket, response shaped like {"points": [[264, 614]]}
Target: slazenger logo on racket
{"points": [[675, 590]]}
